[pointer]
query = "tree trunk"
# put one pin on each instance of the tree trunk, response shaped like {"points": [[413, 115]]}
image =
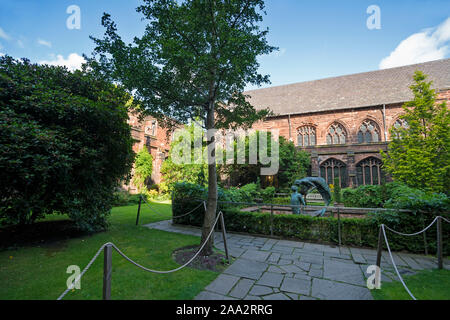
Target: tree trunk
{"points": [[210, 215]]}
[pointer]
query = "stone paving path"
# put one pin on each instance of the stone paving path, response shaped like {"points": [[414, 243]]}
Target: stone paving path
{"points": [[268, 269]]}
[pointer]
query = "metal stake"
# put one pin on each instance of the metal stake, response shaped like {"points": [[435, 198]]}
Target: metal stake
{"points": [[439, 244], [139, 210], [224, 235], [380, 247], [107, 270]]}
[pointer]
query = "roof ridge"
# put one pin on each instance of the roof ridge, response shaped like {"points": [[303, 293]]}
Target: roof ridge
{"points": [[351, 74]]}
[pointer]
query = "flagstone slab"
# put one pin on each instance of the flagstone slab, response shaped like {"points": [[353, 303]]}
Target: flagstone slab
{"points": [[299, 286], [255, 255], [242, 288], [343, 272], [247, 269], [222, 284], [332, 290], [270, 279], [260, 291]]}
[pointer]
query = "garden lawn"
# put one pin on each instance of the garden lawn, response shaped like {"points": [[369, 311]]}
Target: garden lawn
{"points": [[39, 271], [425, 285]]}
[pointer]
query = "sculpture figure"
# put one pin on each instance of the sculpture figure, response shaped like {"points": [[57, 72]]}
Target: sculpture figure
{"points": [[306, 185], [296, 200]]}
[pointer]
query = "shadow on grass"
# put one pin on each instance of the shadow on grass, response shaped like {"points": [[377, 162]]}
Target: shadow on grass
{"points": [[44, 233]]}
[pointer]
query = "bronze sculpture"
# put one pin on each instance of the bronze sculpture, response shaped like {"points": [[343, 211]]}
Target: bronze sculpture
{"points": [[307, 185]]}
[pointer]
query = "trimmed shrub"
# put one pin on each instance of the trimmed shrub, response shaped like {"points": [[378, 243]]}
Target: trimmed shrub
{"points": [[354, 231]]}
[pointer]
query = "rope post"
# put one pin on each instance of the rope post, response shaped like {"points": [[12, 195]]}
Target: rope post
{"points": [[339, 227], [439, 243], [271, 220], [139, 210], [380, 247], [107, 270], [224, 235]]}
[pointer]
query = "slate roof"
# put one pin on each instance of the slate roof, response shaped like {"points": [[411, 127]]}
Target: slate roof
{"points": [[360, 90]]}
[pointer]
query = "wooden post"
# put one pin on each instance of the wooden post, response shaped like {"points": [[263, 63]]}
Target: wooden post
{"points": [[339, 227], [271, 220], [380, 247], [439, 243], [425, 244], [224, 235], [139, 210], [107, 270]]}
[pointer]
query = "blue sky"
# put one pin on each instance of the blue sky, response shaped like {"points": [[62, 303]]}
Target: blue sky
{"points": [[317, 39]]}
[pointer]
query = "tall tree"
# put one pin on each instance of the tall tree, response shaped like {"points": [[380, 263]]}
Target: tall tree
{"points": [[419, 153], [193, 61]]}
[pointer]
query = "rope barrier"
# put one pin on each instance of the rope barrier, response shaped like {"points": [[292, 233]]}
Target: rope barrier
{"points": [[413, 234], [83, 272], [137, 264], [384, 227], [393, 263], [179, 268]]}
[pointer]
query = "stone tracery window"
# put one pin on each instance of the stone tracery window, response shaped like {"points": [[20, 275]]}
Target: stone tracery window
{"points": [[306, 136], [336, 134], [368, 132], [332, 169], [400, 124], [369, 172]]}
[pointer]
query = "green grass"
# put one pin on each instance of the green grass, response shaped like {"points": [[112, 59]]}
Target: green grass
{"points": [[425, 285], [39, 272]]}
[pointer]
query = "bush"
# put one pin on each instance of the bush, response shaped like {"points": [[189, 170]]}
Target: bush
{"points": [[124, 198], [354, 231], [268, 194], [65, 144], [377, 196]]}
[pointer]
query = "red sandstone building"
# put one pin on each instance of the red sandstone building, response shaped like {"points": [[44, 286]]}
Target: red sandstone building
{"points": [[345, 121], [148, 134]]}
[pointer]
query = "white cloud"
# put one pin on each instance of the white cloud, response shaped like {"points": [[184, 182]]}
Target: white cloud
{"points": [[43, 42], [4, 35], [73, 61], [427, 45]]}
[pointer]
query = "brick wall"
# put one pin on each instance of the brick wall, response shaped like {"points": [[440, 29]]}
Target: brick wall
{"points": [[351, 153]]}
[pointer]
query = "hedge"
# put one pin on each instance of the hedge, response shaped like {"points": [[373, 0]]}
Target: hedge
{"points": [[354, 231]]}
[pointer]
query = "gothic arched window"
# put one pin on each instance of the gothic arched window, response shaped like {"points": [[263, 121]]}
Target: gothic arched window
{"points": [[306, 136], [336, 134], [368, 172], [368, 132], [400, 124], [332, 169]]}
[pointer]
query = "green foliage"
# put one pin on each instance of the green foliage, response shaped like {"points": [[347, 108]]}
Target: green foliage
{"points": [[143, 168], [252, 190], [65, 144], [419, 155], [268, 194], [395, 195], [173, 173], [213, 47], [337, 191], [355, 231], [293, 165], [123, 198]]}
